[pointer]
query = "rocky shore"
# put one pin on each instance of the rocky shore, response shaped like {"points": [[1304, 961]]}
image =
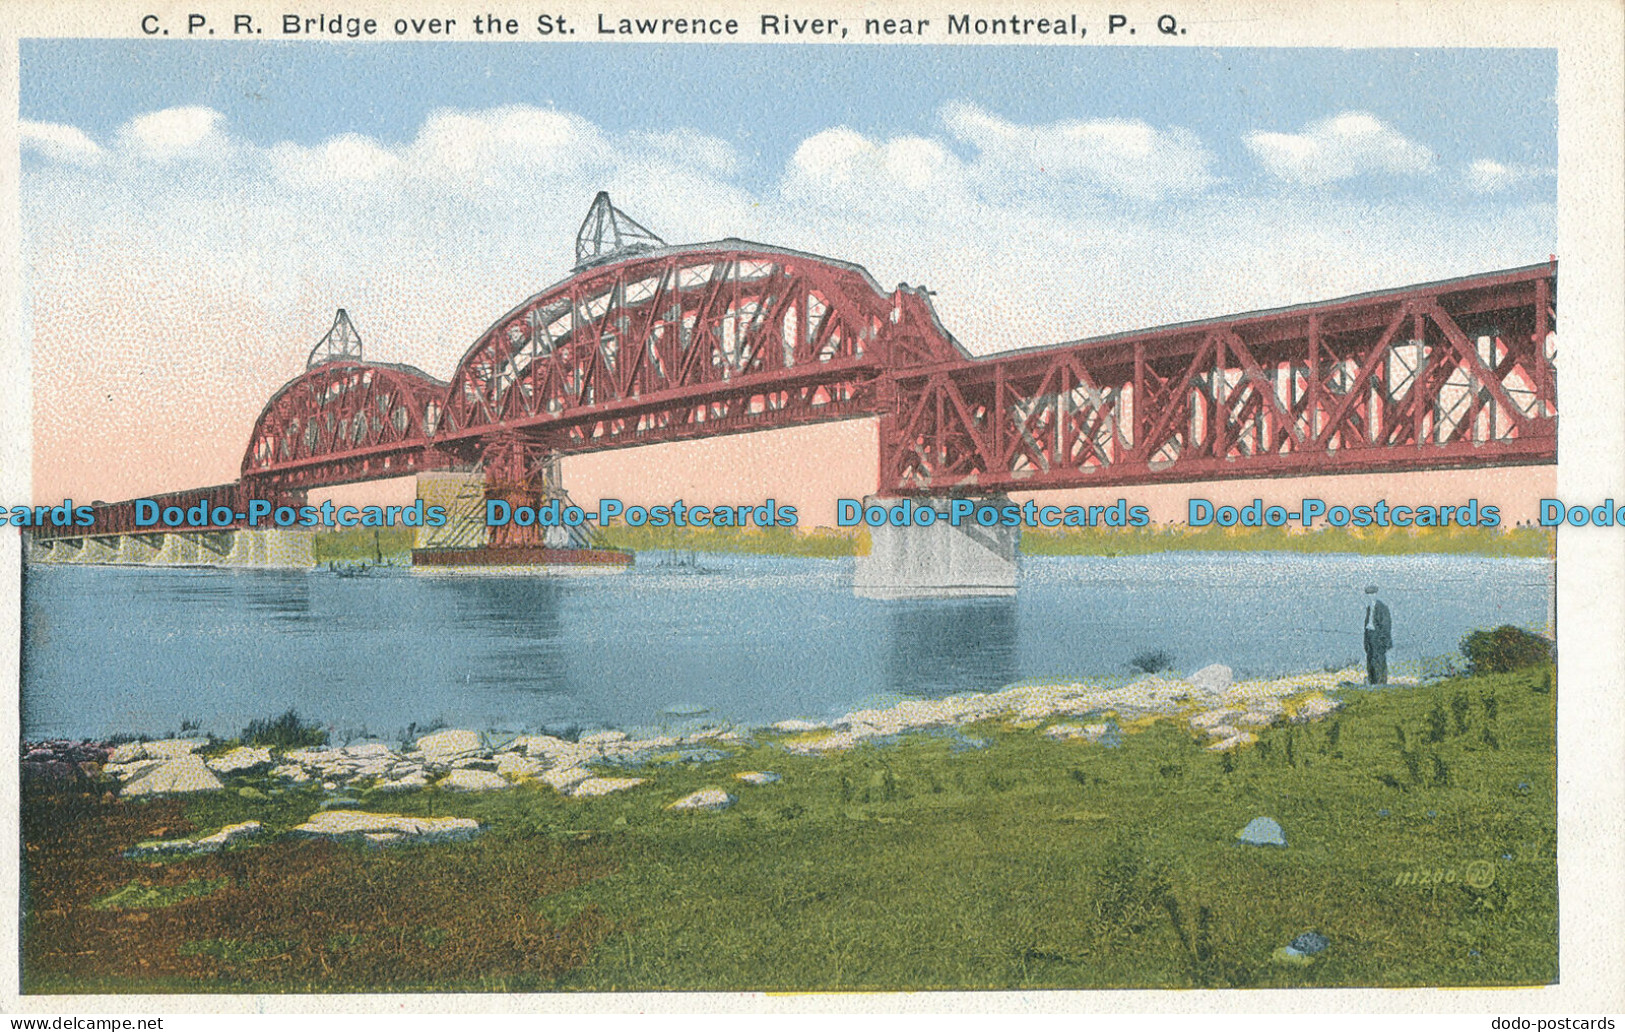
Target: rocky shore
{"points": [[1222, 713]]}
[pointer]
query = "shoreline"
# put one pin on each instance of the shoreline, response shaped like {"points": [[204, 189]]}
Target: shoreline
{"points": [[1209, 704], [1056, 822]]}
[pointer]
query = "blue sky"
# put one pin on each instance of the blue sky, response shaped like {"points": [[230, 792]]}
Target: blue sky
{"points": [[1493, 104]]}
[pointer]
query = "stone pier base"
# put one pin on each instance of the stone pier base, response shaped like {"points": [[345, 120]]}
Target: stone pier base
{"points": [[938, 561]]}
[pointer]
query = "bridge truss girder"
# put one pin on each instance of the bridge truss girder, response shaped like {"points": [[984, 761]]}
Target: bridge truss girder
{"points": [[1443, 375]]}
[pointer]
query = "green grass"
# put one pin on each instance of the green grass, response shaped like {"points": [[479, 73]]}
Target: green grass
{"points": [[820, 543], [1514, 542], [1421, 829], [1033, 863], [135, 896], [357, 543]]}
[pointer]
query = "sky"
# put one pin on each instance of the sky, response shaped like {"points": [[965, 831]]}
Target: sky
{"points": [[194, 211]]}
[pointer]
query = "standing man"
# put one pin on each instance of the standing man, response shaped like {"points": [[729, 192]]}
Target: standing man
{"points": [[1379, 638]]}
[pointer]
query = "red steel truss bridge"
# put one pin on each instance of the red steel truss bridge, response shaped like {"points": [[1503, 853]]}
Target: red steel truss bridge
{"points": [[647, 343]]}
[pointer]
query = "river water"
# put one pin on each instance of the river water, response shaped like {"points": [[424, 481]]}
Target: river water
{"points": [[111, 649]]}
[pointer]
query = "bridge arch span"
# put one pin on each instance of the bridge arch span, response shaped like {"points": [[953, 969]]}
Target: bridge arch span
{"points": [[630, 340], [348, 411]]}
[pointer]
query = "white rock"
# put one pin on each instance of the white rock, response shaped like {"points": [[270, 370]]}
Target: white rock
{"points": [[1061, 732], [347, 823], [1313, 707], [473, 781], [709, 799], [241, 758], [1038, 710], [658, 743], [1211, 718], [186, 774], [514, 765], [757, 777], [835, 741], [187, 846], [1214, 678], [538, 745], [444, 747], [1256, 718], [231, 833], [161, 848], [603, 738], [129, 752], [291, 771], [712, 734], [173, 748], [565, 779], [1095, 732], [603, 786], [131, 770], [1235, 741], [368, 751], [408, 783]]}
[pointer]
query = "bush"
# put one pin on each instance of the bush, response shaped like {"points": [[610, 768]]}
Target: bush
{"points": [[1504, 649], [288, 731], [1152, 661]]}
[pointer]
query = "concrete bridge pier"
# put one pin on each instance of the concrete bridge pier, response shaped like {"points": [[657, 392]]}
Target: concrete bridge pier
{"points": [[939, 559], [139, 549], [462, 495], [275, 546]]}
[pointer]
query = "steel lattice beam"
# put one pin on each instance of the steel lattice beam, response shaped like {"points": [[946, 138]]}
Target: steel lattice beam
{"points": [[1453, 374], [687, 342]]}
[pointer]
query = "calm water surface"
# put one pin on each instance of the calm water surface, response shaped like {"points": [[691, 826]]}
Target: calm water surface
{"points": [[117, 649]]}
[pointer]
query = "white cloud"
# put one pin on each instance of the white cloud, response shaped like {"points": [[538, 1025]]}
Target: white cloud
{"points": [[350, 159], [692, 149], [175, 132], [1118, 156], [1025, 166], [1341, 147], [843, 169], [1487, 177], [59, 142], [500, 144]]}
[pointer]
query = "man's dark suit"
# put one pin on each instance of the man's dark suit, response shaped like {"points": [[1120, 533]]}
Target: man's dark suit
{"points": [[1379, 638]]}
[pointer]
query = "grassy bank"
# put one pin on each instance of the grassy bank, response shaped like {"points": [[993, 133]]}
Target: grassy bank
{"points": [[1421, 831], [819, 543], [358, 543]]}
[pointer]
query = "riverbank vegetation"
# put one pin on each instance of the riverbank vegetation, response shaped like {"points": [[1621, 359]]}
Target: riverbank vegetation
{"points": [[360, 544], [1420, 829], [1513, 542], [363, 544]]}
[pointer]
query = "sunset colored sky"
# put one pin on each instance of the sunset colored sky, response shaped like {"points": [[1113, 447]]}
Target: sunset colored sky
{"points": [[194, 212]]}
